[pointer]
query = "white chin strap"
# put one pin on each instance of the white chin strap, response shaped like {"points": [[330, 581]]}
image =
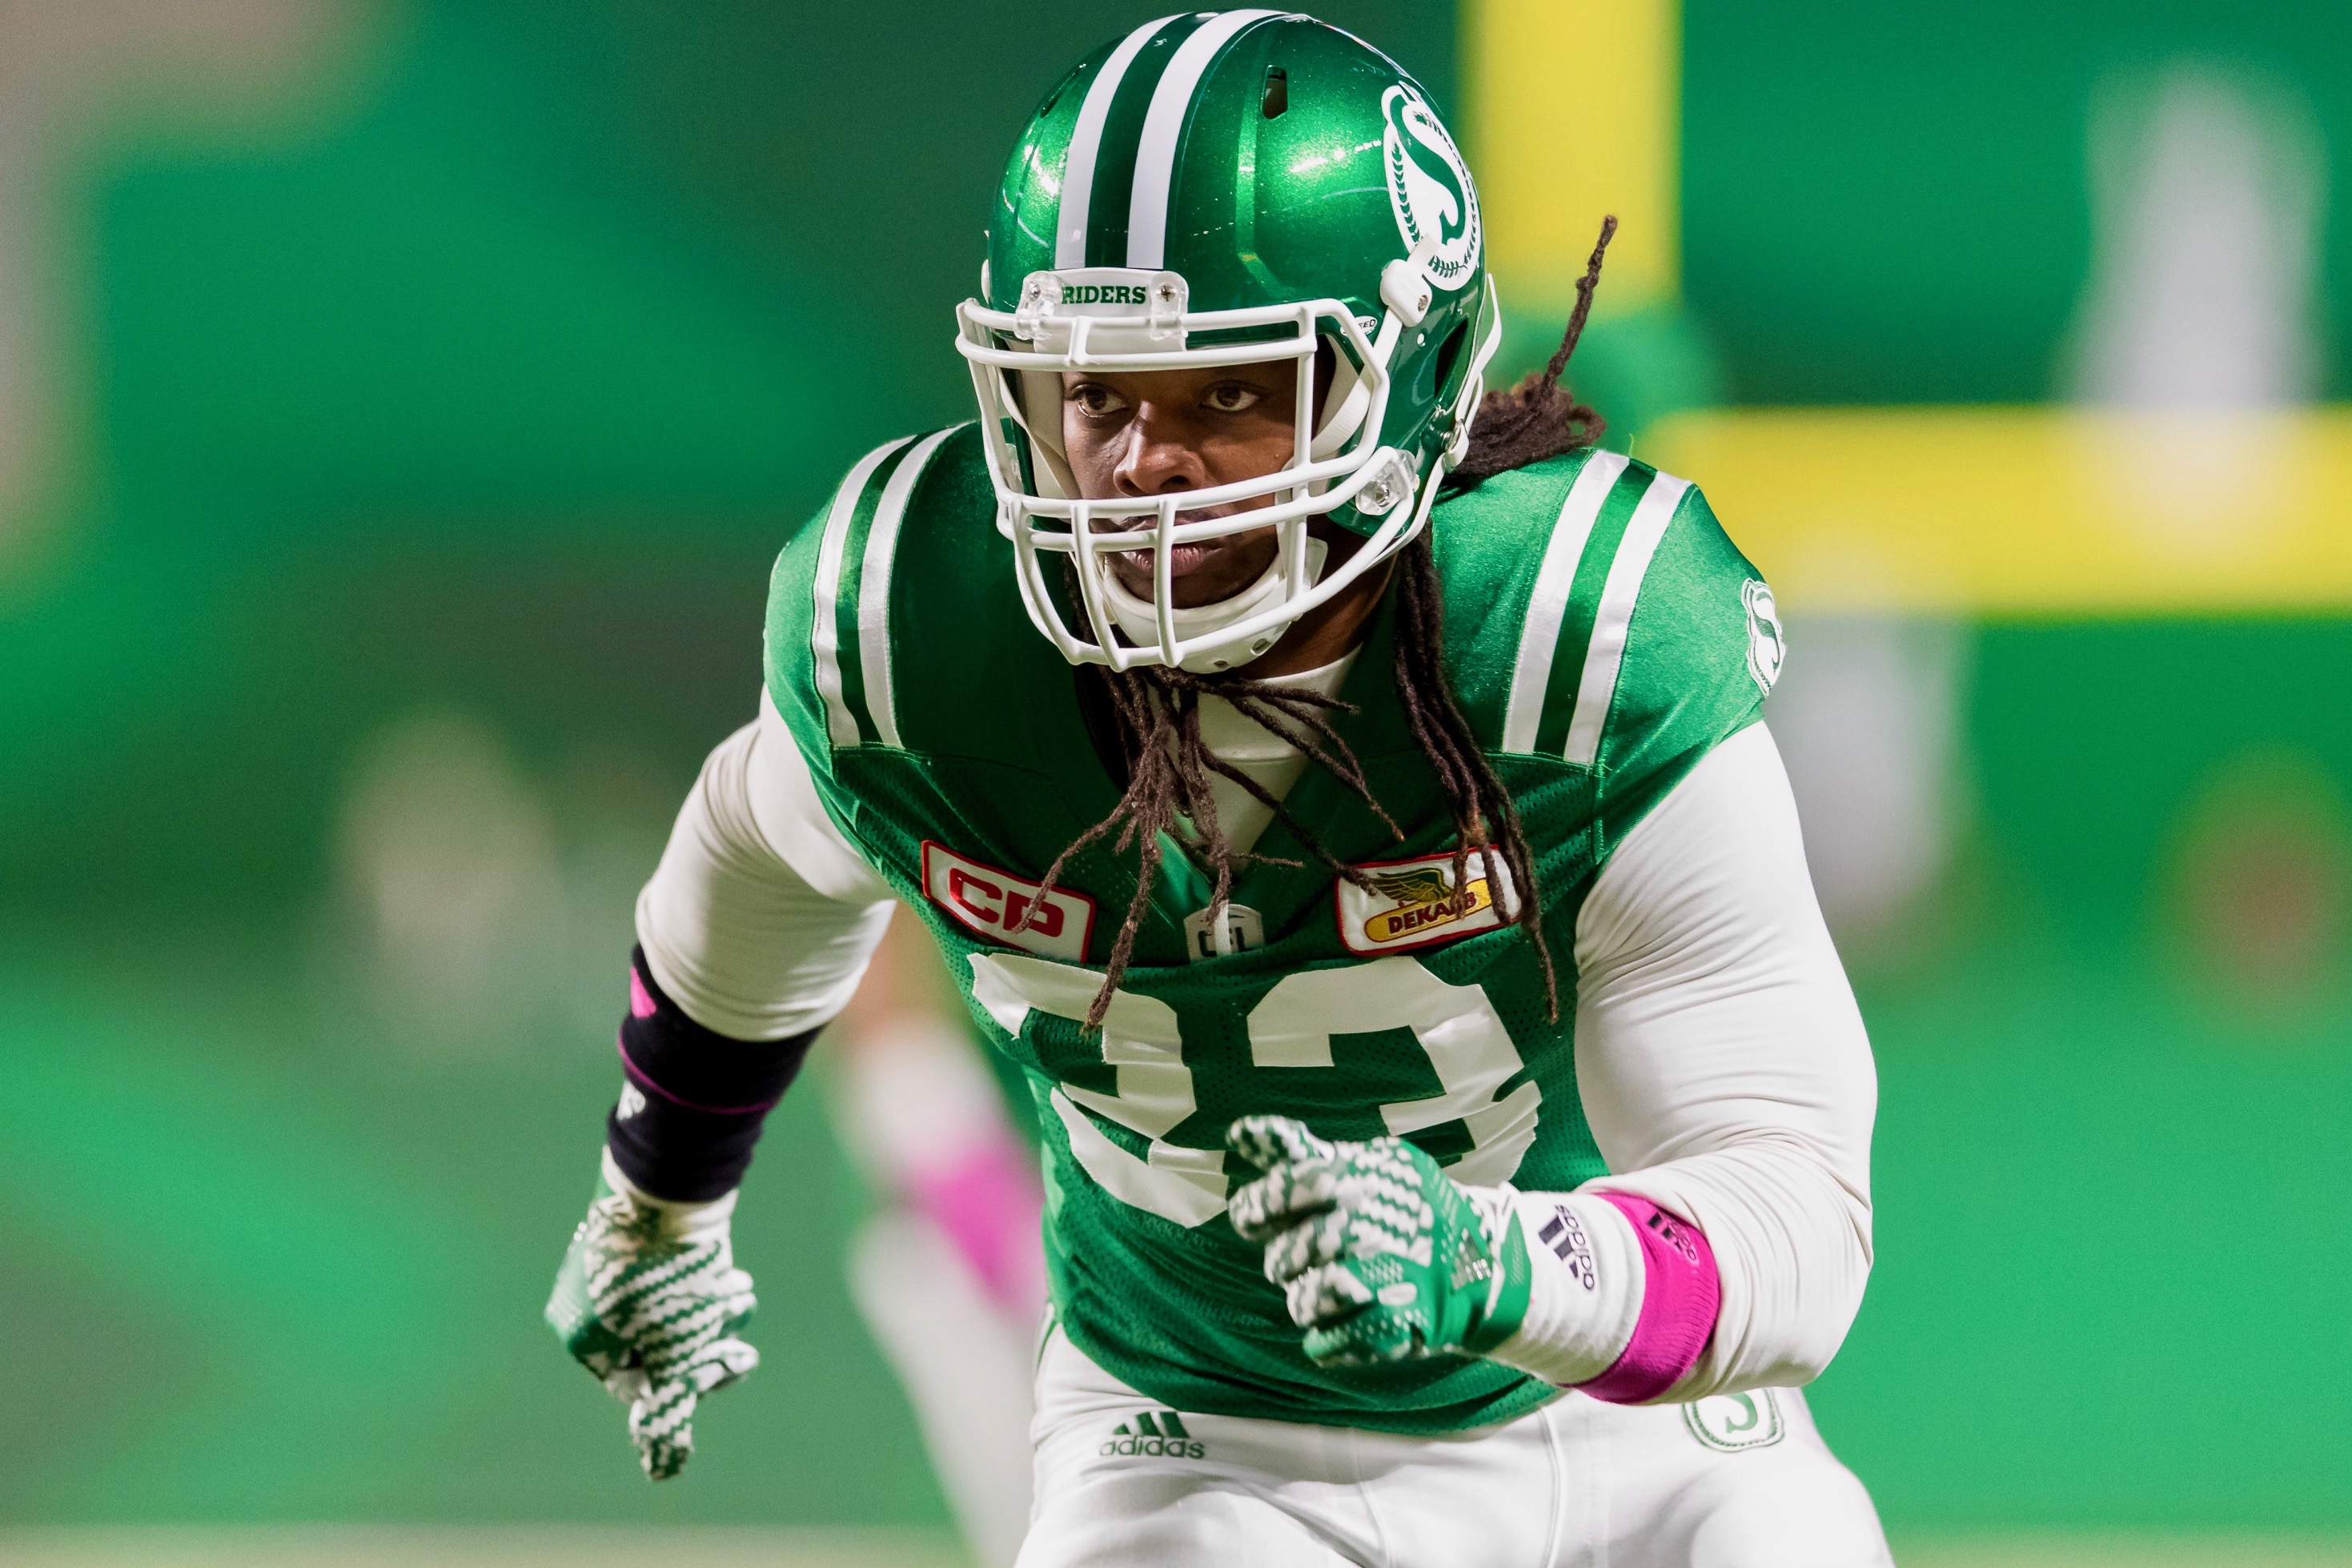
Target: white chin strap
{"points": [[1139, 622]]}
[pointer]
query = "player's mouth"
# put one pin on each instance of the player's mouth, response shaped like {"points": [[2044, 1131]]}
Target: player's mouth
{"points": [[1183, 560], [1202, 572], [1135, 568]]}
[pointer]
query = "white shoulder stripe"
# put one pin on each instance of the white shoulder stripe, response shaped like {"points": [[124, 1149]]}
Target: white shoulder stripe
{"points": [[1086, 145], [1155, 152], [874, 586], [1539, 634], [1606, 651], [824, 635]]}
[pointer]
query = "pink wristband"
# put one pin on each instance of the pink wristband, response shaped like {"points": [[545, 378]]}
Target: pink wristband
{"points": [[1680, 1294]]}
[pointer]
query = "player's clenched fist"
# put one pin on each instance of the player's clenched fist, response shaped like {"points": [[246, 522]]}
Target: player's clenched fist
{"points": [[1381, 1255], [648, 1298]]}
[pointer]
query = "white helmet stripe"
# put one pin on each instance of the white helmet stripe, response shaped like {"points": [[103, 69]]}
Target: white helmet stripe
{"points": [[1086, 143], [1155, 152]]}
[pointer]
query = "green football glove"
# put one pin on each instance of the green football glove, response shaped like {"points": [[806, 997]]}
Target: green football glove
{"points": [[1383, 1256], [648, 1299]]}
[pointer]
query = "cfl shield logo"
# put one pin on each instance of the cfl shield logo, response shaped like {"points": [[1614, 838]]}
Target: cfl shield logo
{"points": [[994, 902], [1244, 928], [1157, 1436]]}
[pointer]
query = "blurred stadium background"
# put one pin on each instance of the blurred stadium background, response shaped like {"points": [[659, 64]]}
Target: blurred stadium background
{"points": [[400, 405]]}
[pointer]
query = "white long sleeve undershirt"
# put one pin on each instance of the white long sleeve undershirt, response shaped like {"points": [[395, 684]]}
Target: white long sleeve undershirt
{"points": [[1721, 1060], [1722, 1065], [761, 919]]}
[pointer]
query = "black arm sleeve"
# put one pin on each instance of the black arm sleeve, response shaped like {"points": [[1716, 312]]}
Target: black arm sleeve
{"points": [[695, 1099]]}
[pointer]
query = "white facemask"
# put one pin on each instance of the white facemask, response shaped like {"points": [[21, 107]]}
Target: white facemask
{"points": [[1111, 320]]}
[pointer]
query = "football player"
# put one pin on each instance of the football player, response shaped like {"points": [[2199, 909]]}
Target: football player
{"points": [[947, 1272], [1344, 794]]}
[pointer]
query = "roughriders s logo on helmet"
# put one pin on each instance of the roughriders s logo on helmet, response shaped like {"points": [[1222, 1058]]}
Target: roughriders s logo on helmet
{"points": [[1429, 186]]}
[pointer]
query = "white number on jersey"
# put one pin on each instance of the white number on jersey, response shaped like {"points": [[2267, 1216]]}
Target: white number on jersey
{"points": [[1291, 1028]]}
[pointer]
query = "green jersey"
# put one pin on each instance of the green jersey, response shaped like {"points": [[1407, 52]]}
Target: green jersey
{"points": [[1602, 635]]}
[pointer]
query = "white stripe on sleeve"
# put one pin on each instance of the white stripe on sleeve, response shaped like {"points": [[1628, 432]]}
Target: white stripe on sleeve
{"points": [[1606, 651], [874, 586], [1539, 636], [825, 642]]}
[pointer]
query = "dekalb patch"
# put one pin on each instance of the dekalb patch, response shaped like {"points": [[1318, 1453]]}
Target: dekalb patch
{"points": [[1414, 904], [992, 902]]}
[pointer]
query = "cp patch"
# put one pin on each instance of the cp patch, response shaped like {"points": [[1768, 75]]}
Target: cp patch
{"points": [[1054, 923]]}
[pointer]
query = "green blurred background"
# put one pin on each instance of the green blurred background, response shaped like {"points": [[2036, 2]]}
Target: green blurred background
{"points": [[399, 407]]}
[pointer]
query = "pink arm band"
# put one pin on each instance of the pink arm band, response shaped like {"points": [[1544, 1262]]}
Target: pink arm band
{"points": [[1680, 1294]]}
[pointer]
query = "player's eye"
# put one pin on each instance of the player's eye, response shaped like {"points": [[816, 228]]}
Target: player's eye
{"points": [[1095, 399], [1231, 397]]}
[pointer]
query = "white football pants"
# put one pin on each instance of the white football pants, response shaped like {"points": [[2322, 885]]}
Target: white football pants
{"points": [[1733, 1481]]}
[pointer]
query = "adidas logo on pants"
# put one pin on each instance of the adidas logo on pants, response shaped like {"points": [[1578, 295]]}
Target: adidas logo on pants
{"points": [[1160, 1434]]}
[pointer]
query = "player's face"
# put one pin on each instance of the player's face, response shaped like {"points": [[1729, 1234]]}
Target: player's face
{"points": [[1155, 433]]}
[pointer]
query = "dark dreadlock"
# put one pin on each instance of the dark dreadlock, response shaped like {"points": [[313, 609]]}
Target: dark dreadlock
{"points": [[1538, 418], [1157, 709]]}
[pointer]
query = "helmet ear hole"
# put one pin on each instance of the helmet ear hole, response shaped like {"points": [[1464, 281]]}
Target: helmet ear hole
{"points": [[1277, 92], [1447, 362]]}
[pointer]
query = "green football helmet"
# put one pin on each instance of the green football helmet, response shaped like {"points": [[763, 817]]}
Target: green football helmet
{"points": [[1224, 188]]}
